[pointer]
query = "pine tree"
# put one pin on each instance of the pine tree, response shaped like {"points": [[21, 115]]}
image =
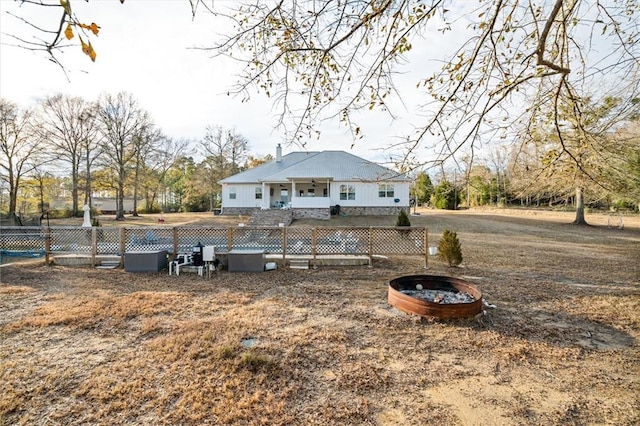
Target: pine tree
{"points": [[403, 219], [449, 248]]}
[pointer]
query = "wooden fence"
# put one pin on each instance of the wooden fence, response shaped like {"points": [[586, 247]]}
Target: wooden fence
{"points": [[284, 241]]}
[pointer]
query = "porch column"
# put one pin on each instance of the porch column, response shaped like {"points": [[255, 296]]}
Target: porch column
{"points": [[266, 198], [293, 191]]}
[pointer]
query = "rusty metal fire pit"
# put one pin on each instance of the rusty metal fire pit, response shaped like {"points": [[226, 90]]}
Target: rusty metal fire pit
{"points": [[406, 294]]}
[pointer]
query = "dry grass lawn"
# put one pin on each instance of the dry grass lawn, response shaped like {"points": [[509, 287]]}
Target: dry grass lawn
{"points": [[322, 346]]}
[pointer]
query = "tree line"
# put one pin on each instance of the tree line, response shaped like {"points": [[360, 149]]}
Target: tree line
{"points": [[558, 79], [67, 144], [607, 175]]}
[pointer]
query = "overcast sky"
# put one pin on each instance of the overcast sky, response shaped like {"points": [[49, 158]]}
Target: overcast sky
{"points": [[145, 48]]}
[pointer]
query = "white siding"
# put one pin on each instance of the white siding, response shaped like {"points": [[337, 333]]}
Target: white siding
{"points": [[367, 195], [245, 195]]}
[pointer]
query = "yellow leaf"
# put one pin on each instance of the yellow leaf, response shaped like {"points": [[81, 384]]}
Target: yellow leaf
{"points": [[92, 53], [94, 28], [87, 49], [68, 33]]}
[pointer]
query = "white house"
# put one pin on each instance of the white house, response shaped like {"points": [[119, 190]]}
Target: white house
{"points": [[312, 184]]}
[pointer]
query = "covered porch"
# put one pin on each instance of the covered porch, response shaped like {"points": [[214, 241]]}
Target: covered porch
{"points": [[297, 194]]}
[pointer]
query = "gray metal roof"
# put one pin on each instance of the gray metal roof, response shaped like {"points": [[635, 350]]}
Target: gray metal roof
{"points": [[335, 165]]}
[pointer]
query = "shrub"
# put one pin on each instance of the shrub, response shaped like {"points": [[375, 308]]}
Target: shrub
{"points": [[403, 219], [445, 196], [624, 204], [197, 203], [60, 214], [449, 248], [151, 209]]}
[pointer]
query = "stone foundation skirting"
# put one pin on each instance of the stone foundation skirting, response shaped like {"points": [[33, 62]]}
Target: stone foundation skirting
{"points": [[372, 211], [323, 214], [235, 211]]}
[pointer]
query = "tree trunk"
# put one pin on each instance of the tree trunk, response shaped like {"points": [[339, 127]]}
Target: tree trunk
{"points": [[120, 195], [87, 190], [74, 191], [136, 183], [120, 205], [579, 208], [152, 201], [135, 196], [13, 200]]}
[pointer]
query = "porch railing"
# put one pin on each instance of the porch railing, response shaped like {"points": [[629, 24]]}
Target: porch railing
{"points": [[310, 202]]}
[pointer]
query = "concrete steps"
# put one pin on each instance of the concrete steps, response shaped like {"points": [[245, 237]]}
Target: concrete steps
{"points": [[299, 264], [83, 259], [108, 264], [272, 217]]}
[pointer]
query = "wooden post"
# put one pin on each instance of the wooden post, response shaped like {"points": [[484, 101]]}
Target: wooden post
{"points": [[175, 242], [123, 245], [47, 244], [94, 245], [284, 245], [314, 241], [371, 246], [426, 248], [230, 239]]}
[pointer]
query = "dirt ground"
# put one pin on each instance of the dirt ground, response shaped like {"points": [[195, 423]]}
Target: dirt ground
{"points": [[322, 346]]}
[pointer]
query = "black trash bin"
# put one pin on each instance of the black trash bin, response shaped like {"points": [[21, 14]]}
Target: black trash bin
{"points": [[197, 255]]}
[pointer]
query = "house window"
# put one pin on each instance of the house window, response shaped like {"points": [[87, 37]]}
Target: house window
{"points": [[311, 192], [385, 190], [347, 192], [259, 193], [232, 193]]}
